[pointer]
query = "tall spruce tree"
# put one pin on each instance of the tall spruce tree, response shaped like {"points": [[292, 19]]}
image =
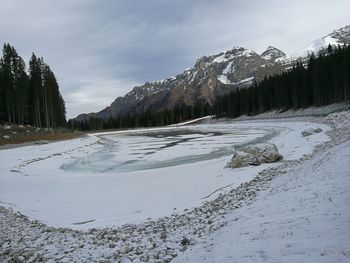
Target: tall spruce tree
{"points": [[13, 86], [36, 87], [33, 99]]}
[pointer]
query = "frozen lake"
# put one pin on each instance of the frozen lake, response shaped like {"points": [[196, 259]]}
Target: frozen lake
{"points": [[145, 150], [110, 179]]}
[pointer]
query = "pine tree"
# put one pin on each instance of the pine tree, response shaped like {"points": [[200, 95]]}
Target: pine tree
{"points": [[35, 90], [329, 49], [33, 99]]}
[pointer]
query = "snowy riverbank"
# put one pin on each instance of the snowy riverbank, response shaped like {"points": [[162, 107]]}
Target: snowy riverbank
{"points": [[163, 239]]}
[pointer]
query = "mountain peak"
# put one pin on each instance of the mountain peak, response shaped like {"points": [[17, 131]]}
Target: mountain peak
{"points": [[272, 54], [236, 48], [345, 31], [271, 48], [340, 37], [235, 52]]}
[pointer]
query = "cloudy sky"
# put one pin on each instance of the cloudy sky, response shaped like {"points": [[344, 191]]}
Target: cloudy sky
{"points": [[101, 49]]}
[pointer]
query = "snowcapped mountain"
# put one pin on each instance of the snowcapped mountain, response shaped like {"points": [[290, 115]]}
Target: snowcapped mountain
{"points": [[217, 75], [273, 54], [213, 76], [337, 37]]}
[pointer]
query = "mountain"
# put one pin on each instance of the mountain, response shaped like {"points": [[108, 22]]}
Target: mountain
{"points": [[337, 37], [273, 54], [212, 76]]}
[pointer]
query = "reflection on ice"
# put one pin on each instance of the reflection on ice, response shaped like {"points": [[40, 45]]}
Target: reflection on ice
{"points": [[135, 151]]}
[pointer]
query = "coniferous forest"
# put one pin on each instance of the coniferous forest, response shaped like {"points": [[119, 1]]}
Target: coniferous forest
{"points": [[29, 98], [320, 81]]}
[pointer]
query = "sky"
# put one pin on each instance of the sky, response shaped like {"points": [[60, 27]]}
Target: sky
{"points": [[101, 49]]}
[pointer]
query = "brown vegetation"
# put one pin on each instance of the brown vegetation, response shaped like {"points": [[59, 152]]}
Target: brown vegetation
{"points": [[32, 138]]}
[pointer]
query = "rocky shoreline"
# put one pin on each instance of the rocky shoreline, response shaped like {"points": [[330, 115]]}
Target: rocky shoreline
{"points": [[22, 240]]}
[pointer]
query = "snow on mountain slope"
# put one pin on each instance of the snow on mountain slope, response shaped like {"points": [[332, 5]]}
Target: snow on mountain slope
{"points": [[273, 54], [337, 37]]}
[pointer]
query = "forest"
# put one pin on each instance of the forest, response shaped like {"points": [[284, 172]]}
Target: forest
{"points": [[324, 80], [319, 81], [31, 98]]}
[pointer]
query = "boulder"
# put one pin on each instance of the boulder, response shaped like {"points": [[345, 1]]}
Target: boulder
{"points": [[124, 250], [318, 130], [6, 137], [255, 155], [264, 152], [307, 132], [19, 259], [260, 148], [241, 159], [125, 260], [185, 241], [311, 131], [167, 259], [163, 235]]}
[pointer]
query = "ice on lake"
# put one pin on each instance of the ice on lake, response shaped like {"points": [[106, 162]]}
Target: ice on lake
{"points": [[164, 148], [114, 178]]}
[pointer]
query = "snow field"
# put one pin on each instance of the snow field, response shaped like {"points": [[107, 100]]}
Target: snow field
{"points": [[114, 179], [165, 238], [302, 217]]}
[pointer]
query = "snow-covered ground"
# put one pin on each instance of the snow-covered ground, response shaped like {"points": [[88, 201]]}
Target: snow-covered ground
{"points": [[129, 176], [292, 113], [208, 198], [304, 216]]}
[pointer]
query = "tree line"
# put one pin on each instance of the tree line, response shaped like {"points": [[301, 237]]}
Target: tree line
{"points": [[32, 98], [145, 119], [323, 80]]}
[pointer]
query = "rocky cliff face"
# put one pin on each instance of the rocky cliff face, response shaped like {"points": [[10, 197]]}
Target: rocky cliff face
{"points": [[212, 76]]}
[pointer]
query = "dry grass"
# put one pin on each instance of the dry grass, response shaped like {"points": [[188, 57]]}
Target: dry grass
{"points": [[41, 137]]}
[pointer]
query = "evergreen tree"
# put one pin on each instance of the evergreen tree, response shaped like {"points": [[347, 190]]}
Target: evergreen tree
{"points": [[13, 86], [33, 99], [35, 90]]}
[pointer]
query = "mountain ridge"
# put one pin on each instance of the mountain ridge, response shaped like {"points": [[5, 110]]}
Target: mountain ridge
{"points": [[212, 76]]}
